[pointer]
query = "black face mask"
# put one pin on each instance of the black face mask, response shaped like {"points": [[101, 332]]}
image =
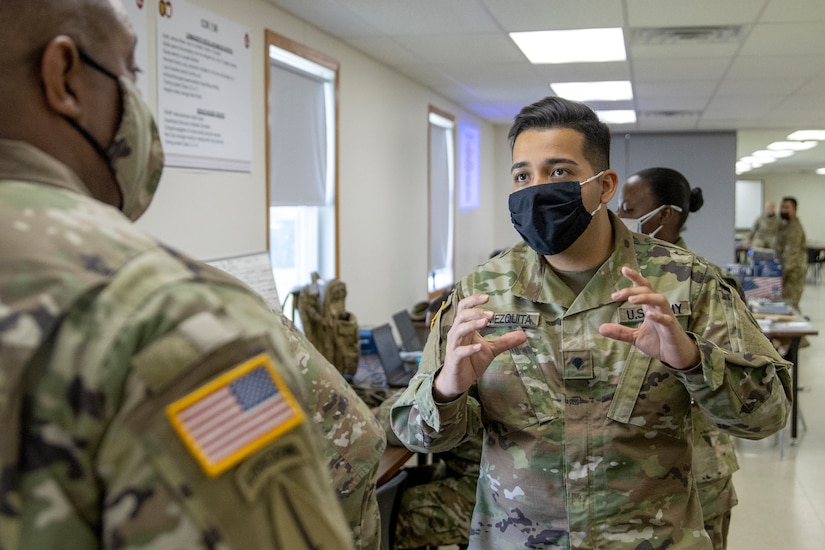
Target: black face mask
{"points": [[551, 216], [785, 216]]}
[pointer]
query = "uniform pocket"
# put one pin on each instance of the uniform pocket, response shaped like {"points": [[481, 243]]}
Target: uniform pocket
{"points": [[649, 396], [514, 391]]}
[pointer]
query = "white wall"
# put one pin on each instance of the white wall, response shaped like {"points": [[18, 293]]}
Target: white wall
{"points": [[809, 192], [382, 176]]}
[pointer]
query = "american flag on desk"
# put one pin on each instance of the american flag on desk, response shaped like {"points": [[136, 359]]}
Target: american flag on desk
{"points": [[237, 413], [766, 288]]}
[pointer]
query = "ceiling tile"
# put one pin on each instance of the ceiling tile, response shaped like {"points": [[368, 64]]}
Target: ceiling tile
{"points": [[793, 10], [583, 72], [328, 15], [423, 17], [683, 51], [777, 66], [740, 87], [465, 48], [681, 13], [681, 69], [785, 39], [536, 15], [647, 89]]}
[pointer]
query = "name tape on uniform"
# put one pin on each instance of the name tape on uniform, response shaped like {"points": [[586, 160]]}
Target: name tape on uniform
{"points": [[235, 414], [504, 319]]}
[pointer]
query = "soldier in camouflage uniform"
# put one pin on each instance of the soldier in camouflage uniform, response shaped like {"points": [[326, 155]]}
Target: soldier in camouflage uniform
{"points": [[577, 354], [792, 251], [657, 201], [437, 500], [765, 228], [146, 400], [355, 440]]}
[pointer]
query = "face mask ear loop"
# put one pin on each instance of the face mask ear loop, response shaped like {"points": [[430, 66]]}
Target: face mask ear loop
{"points": [[588, 180]]}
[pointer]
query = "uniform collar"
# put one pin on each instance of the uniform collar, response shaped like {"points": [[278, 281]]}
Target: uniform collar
{"points": [[537, 282], [20, 161]]}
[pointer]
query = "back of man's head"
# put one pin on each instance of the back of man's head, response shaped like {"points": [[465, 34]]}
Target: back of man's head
{"points": [[555, 113]]}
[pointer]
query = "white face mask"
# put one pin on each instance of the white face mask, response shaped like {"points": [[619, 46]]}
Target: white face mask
{"points": [[635, 224]]}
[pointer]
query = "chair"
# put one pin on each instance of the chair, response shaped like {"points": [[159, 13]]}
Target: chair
{"points": [[389, 497], [816, 256]]}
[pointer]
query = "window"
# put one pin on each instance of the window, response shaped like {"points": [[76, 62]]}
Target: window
{"points": [[302, 163], [442, 198]]}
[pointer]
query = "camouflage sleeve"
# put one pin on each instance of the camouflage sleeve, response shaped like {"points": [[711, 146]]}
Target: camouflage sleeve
{"points": [[797, 248], [742, 384], [382, 415], [791, 246], [123, 462], [419, 422], [354, 439]]}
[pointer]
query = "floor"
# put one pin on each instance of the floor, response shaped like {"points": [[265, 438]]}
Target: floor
{"points": [[782, 491]]}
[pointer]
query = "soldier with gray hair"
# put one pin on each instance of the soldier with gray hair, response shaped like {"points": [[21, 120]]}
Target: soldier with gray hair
{"points": [[146, 399], [764, 230], [577, 354]]}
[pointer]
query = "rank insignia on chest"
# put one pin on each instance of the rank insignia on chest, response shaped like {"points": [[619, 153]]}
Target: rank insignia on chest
{"points": [[578, 365], [514, 319], [227, 419]]}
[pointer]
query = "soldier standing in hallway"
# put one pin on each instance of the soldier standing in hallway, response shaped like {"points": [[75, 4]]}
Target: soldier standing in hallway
{"points": [[792, 251]]}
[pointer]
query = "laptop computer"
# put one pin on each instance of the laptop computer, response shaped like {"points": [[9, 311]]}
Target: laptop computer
{"points": [[397, 373], [406, 329]]}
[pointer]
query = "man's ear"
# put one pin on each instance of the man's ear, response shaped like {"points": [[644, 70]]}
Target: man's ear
{"points": [[59, 71], [610, 184]]}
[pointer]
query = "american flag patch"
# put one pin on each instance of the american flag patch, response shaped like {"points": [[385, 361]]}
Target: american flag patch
{"points": [[228, 418]]}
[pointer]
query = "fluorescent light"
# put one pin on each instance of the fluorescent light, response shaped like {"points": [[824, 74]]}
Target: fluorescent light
{"points": [[572, 46], [754, 162], [820, 171], [792, 145], [763, 154], [611, 90], [801, 135], [617, 116]]}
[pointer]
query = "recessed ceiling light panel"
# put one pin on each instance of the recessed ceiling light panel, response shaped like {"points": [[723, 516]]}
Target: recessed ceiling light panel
{"points": [[572, 46], [614, 90], [801, 135]]}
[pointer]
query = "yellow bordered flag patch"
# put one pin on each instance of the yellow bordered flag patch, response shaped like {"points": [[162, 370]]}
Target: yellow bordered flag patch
{"points": [[235, 414]]}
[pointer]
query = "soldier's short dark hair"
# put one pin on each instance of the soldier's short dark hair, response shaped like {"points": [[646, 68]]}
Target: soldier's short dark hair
{"points": [[557, 112], [791, 200]]}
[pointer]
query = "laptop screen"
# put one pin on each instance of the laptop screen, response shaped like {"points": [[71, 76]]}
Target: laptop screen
{"points": [[407, 331], [389, 353]]}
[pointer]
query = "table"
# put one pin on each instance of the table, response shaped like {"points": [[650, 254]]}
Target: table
{"points": [[789, 330], [391, 462]]}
